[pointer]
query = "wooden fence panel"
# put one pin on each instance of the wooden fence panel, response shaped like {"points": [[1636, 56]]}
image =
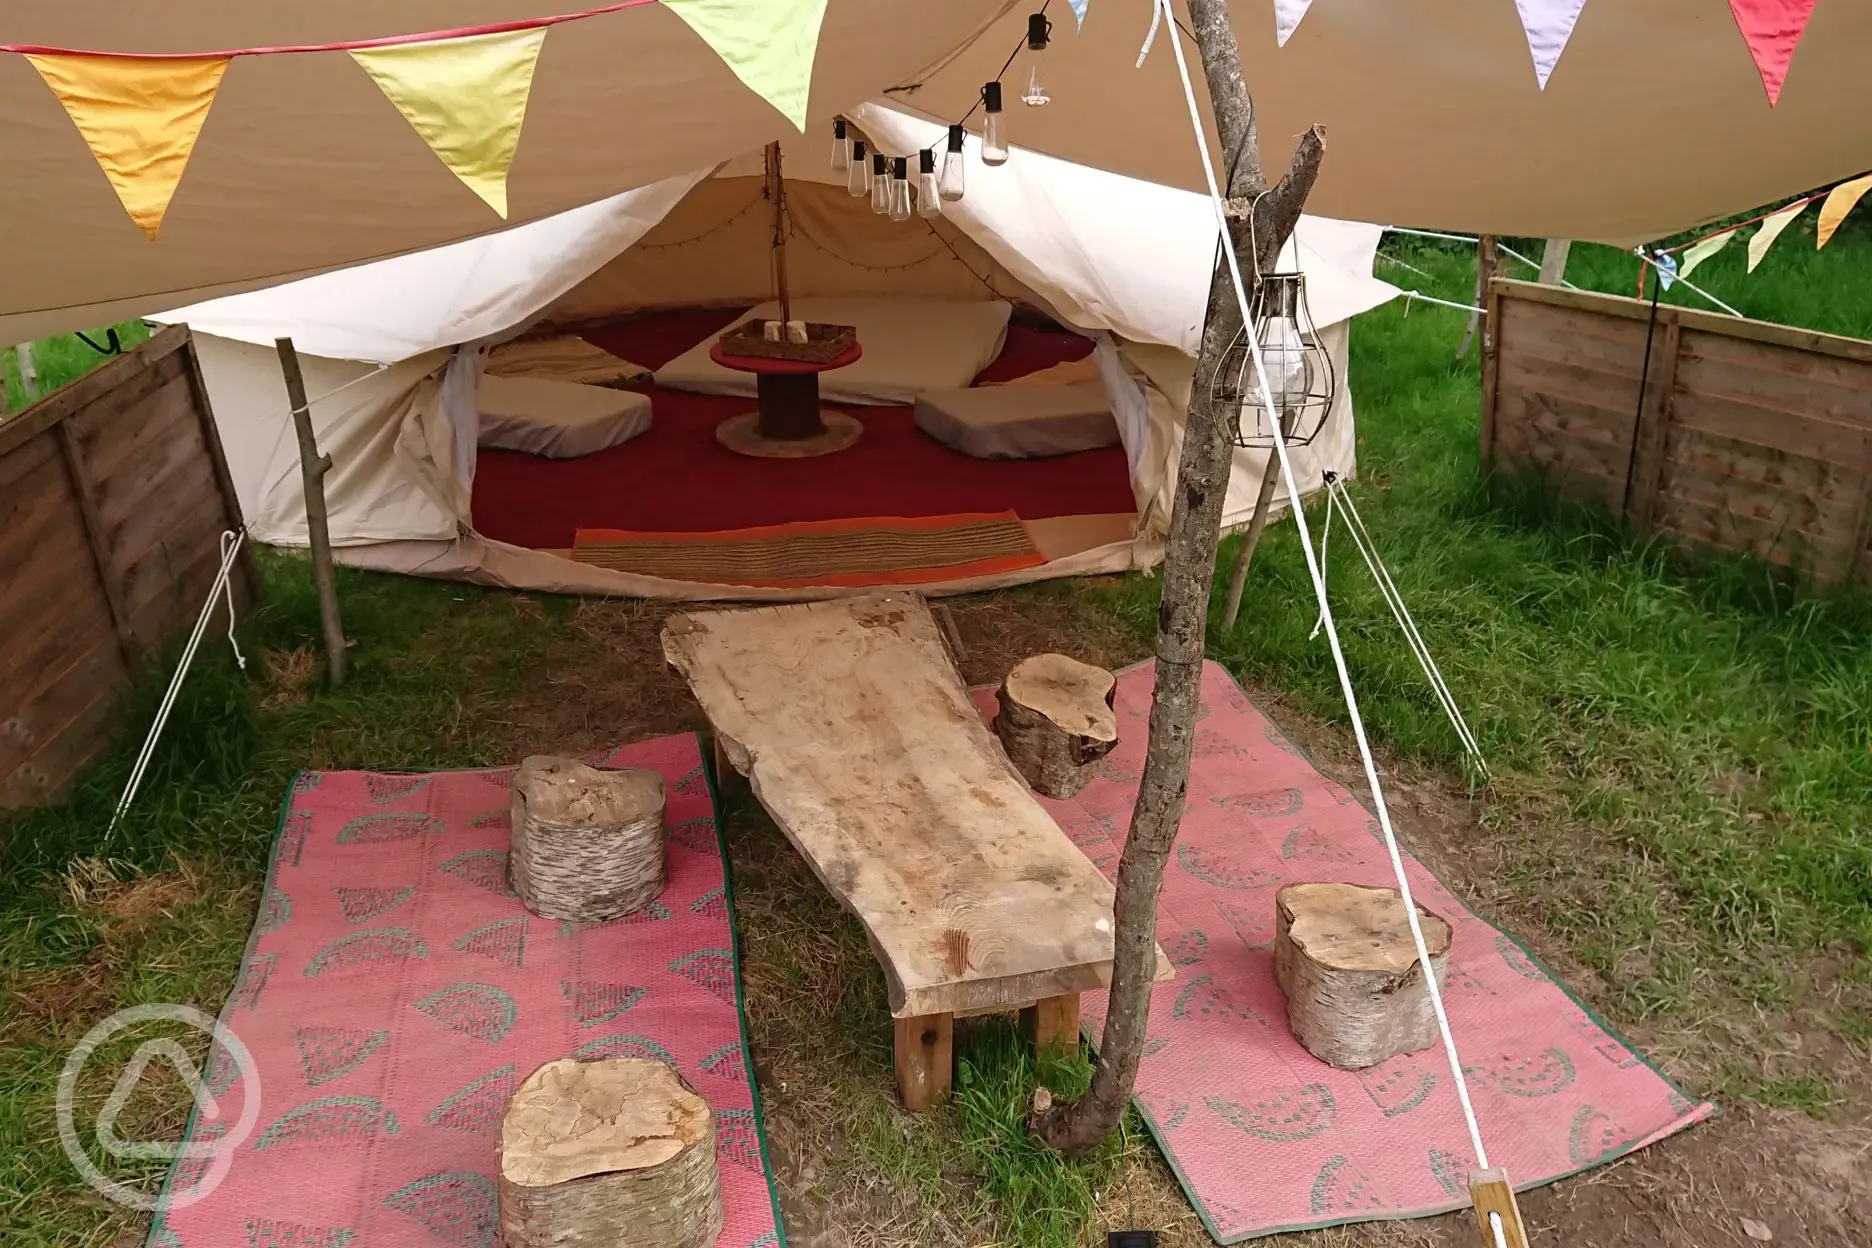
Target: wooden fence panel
{"points": [[113, 496], [1714, 430]]}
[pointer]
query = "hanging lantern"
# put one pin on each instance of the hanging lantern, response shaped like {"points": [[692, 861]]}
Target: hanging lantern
{"points": [[954, 169], [900, 189], [929, 198], [1038, 32], [859, 180], [841, 148], [1299, 372], [994, 149]]}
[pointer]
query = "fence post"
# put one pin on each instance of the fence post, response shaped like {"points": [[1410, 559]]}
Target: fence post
{"points": [[312, 470]]}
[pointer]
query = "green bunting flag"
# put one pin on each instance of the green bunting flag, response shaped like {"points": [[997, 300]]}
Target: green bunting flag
{"points": [[770, 44]]}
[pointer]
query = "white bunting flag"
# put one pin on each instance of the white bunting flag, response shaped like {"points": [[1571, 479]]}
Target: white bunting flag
{"points": [[1549, 24]]}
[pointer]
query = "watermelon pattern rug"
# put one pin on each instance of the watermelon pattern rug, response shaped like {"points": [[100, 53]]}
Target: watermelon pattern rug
{"points": [[1264, 1136], [395, 992]]}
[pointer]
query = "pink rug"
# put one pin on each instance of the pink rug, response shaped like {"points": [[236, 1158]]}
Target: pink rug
{"points": [[394, 993], [1267, 1138]]}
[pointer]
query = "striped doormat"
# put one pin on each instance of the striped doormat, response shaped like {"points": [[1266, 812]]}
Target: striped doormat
{"points": [[878, 550]]}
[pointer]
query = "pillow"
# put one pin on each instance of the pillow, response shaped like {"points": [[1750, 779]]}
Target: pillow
{"points": [[557, 419], [1019, 422], [565, 358], [910, 345]]}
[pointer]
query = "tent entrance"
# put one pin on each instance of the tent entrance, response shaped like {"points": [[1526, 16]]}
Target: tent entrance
{"points": [[677, 482]]}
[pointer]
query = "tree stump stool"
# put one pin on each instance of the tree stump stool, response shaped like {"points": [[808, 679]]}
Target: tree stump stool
{"points": [[619, 1153], [1344, 957], [587, 844], [1056, 721]]}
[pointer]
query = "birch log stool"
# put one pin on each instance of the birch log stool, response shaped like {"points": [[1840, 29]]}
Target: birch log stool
{"points": [[1056, 721], [618, 1153], [1344, 957], [587, 844]]}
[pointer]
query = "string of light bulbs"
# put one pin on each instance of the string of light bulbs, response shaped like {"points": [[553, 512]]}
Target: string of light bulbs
{"points": [[886, 179]]}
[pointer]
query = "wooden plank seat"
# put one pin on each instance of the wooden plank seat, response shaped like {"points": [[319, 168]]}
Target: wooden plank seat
{"points": [[856, 734]]}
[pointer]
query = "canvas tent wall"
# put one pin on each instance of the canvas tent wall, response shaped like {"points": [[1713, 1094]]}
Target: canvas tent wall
{"points": [[1121, 259], [1435, 113]]}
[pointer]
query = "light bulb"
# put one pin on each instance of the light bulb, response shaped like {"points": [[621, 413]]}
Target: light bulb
{"points": [[841, 148], [994, 149], [880, 183], [929, 196], [954, 169], [858, 181], [1284, 354], [900, 189], [1036, 93]]}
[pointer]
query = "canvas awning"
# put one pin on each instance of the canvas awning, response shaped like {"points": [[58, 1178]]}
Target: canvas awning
{"points": [[1655, 118]]}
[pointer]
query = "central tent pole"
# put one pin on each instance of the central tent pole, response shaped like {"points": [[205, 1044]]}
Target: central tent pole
{"points": [[776, 191]]}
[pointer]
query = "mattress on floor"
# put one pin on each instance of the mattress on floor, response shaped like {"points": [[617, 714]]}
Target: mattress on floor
{"points": [[1019, 422], [557, 419]]}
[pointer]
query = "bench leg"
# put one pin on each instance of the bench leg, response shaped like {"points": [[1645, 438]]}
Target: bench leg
{"points": [[1053, 1025], [925, 1059]]}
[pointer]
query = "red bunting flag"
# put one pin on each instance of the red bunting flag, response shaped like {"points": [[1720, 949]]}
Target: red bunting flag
{"points": [[1772, 28]]}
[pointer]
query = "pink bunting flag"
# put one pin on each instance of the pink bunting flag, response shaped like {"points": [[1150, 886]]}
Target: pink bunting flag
{"points": [[1772, 28], [1548, 24], [1287, 15]]}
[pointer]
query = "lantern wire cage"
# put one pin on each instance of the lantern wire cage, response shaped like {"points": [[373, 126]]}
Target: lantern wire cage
{"points": [[1299, 370]]}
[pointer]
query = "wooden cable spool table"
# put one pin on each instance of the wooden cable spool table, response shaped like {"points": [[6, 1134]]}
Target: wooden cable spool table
{"points": [[788, 422], [859, 738]]}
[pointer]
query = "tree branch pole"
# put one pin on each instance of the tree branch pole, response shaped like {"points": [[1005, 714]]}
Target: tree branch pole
{"points": [[312, 469], [1188, 573]]}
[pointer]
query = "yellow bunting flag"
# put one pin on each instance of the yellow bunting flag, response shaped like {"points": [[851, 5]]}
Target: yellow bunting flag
{"points": [[140, 116], [1771, 228], [1697, 253], [1839, 202], [770, 44], [466, 97]]}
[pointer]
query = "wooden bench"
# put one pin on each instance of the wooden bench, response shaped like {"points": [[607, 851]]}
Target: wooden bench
{"points": [[856, 734]]}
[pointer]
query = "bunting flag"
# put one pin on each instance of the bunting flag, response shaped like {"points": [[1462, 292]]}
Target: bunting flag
{"points": [[1772, 28], [140, 117], [770, 45], [1287, 15], [466, 97], [1548, 25], [1771, 228], [1839, 202], [1698, 252], [1078, 8]]}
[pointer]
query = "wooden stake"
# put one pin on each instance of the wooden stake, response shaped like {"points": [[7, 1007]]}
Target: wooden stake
{"points": [[1553, 261], [1485, 246], [29, 373], [312, 470], [1238, 579], [1491, 1193]]}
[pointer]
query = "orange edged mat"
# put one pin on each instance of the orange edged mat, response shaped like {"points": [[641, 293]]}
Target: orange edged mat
{"points": [[846, 554]]}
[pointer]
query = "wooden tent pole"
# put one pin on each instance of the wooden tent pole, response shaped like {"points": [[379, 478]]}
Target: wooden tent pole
{"points": [[776, 190], [312, 469]]}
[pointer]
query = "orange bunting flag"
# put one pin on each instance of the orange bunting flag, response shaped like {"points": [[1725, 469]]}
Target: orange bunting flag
{"points": [[140, 116], [1839, 202], [466, 97]]}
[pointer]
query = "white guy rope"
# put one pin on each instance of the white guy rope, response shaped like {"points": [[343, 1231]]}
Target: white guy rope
{"points": [[1454, 238], [230, 547], [1332, 631], [1336, 491], [1460, 307]]}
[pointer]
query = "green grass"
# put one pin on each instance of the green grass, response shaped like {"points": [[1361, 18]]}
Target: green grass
{"points": [[1682, 751], [62, 360], [1682, 779]]}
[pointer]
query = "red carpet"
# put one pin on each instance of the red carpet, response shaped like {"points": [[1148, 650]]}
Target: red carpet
{"points": [[678, 479]]}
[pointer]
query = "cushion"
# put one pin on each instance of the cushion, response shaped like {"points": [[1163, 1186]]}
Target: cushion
{"points": [[910, 346], [1019, 422], [566, 358], [557, 419]]}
